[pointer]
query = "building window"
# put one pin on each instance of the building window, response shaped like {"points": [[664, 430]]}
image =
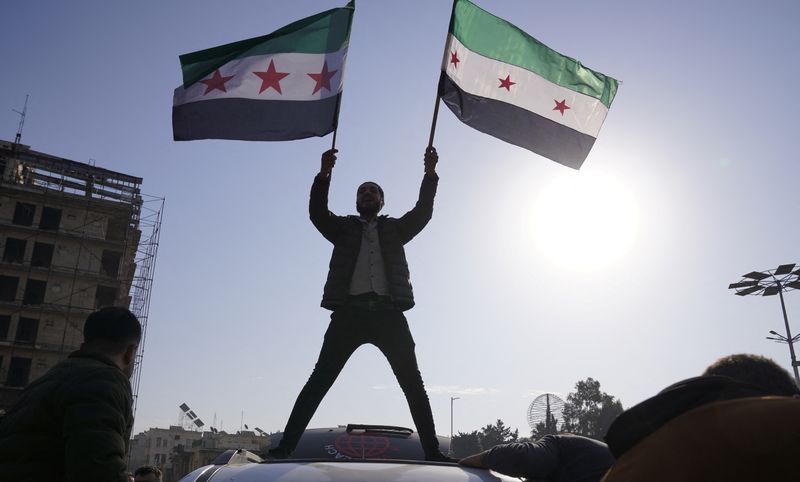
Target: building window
{"points": [[5, 322], [34, 292], [27, 329], [23, 214], [8, 288], [42, 255], [109, 263], [105, 296], [51, 218], [19, 370], [158, 443], [117, 228], [14, 251]]}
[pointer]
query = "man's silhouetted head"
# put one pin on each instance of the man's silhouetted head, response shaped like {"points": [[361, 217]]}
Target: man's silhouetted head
{"points": [[369, 200], [755, 370], [114, 332], [147, 473]]}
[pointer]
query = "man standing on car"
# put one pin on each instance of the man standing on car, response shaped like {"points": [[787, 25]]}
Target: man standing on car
{"points": [[368, 289], [74, 422]]}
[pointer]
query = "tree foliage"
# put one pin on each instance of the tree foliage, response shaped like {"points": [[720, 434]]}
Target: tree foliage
{"points": [[545, 427], [589, 411], [497, 434], [465, 444]]}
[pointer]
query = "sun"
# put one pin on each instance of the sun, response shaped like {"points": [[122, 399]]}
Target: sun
{"points": [[584, 221]]}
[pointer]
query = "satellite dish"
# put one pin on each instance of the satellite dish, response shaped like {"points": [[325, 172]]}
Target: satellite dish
{"points": [[546, 410]]}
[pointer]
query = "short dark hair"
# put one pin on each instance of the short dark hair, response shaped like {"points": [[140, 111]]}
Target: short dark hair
{"points": [[112, 324], [148, 469], [756, 370], [380, 189]]}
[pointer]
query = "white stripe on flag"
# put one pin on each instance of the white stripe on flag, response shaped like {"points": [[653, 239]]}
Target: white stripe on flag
{"points": [[479, 75], [296, 86]]}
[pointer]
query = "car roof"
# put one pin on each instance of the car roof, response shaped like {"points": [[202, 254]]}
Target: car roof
{"points": [[361, 442], [344, 471]]}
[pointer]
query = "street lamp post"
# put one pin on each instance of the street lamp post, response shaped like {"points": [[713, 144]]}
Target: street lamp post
{"points": [[452, 399], [769, 283]]}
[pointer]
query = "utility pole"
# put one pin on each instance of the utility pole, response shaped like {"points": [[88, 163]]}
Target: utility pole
{"points": [[452, 399], [770, 283]]}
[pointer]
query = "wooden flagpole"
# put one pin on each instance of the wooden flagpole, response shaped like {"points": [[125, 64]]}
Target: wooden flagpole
{"points": [[435, 117], [336, 125], [438, 84]]}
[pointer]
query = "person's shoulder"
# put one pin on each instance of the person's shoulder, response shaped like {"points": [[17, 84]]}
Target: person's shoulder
{"points": [[576, 440], [86, 370]]}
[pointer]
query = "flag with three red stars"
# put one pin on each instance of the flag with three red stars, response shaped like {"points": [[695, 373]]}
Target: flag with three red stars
{"points": [[501, 81], [282, 86]]}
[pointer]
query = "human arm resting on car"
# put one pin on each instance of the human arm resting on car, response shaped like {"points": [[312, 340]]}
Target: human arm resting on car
{"points": [[325, 221], [476, 460], [413, 221], [535, 460]]}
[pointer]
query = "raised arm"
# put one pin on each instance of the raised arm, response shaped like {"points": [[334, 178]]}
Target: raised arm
{"points": [[413, 221], [325, 221]]}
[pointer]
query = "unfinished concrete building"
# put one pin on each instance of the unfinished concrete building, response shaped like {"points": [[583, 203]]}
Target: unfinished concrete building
{"points": [[73, 237]]}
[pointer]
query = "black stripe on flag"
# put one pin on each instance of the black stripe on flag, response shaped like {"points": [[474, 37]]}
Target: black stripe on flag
{"points": [[517, 126], [254, 120]]}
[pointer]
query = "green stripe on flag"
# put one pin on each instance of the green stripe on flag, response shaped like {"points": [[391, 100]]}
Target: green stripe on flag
{"points": [[493, 37], [324, 32]]}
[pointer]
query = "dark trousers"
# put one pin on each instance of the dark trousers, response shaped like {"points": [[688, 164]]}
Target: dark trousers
{"points": [[350, 328]]}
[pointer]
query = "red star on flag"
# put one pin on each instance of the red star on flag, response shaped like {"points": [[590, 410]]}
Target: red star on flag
{"points": [[506, 83], [561, 106], [323, 78], [454, 58], [216, 82], [271, 78]]}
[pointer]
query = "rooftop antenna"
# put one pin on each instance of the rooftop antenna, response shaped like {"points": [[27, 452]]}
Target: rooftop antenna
{"points": [[193, 418], [21, 120]]}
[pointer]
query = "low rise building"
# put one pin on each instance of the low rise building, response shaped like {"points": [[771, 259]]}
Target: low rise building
{"points": [[178, 451]]}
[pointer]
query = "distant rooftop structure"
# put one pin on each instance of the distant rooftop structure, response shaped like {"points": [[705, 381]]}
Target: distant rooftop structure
{"points": [[23, 166]]}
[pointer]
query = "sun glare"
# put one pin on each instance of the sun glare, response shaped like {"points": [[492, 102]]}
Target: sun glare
{"points": [[584, 221]]}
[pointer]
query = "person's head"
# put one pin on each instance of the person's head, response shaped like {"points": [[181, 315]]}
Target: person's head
{"points": [[755, 370], [147, 473], [114, 332], [369, 199]]}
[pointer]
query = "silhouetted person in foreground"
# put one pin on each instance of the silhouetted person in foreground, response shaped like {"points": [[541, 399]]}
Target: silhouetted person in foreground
{"points": [[368, 289], [147, 473], [553, 458], [74, 422], [739, 421]]}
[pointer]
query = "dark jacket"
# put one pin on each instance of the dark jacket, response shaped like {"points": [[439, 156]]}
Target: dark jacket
{"points": [[345, 234], [643, 419], [71, 424], [709, 428], [565, 457], [737, 440]]}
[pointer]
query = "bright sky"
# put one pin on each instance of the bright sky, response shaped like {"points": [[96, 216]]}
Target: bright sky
{"points": [[692, 182]]}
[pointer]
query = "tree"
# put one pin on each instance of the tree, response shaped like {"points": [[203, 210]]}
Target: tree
{"points": [[545, 427], [589, 411], [465, 444], [492, 435]]}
